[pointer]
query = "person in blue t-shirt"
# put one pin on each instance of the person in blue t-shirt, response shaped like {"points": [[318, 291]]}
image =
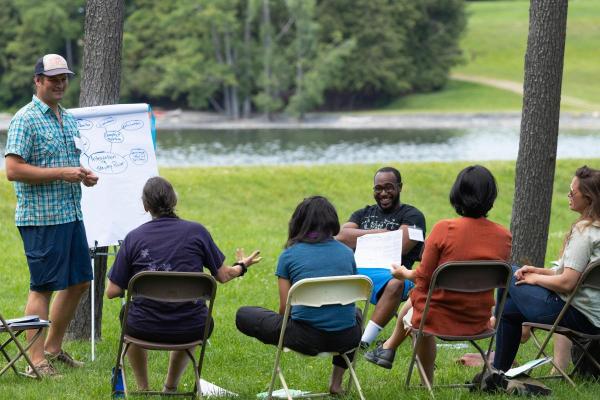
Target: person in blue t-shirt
{"points": [[167, 243], [310, 252]]}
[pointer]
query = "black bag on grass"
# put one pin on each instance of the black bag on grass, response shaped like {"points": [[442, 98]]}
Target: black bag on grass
{"points": [[586, 369], [495, 381]]}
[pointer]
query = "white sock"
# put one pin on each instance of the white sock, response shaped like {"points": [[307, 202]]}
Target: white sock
{"points": [[371, 332]]}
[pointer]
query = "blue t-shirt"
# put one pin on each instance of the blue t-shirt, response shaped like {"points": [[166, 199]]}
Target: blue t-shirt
{"points": [[314, 260], [166, 244]]}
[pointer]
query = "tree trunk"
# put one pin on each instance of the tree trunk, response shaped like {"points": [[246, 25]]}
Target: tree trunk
{"points": [[233, 94], [246, 74], [219, 57], [267, 56], [539, 130], [100, 85]]}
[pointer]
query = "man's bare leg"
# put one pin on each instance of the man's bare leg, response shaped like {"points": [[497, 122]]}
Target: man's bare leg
{"points": [[63, 308], [386, 307], [400, 332], [38, 303], [388, 303]]}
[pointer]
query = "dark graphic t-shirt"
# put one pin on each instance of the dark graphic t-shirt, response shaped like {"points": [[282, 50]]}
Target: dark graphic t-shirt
{"points": [[166, 244], [372, 217]]}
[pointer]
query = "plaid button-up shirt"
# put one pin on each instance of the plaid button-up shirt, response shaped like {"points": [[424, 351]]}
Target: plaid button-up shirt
{"points": [[36, 135]]}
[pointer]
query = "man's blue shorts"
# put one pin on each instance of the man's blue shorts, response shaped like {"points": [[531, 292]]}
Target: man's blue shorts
{"points": [[58, 256], [380, 278]]}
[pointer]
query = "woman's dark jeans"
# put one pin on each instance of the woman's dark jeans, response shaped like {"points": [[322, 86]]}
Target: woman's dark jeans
{"points": [[531, 303]]}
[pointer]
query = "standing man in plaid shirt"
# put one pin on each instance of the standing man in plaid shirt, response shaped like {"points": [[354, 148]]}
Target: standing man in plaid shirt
{"points": [[42, 158]]}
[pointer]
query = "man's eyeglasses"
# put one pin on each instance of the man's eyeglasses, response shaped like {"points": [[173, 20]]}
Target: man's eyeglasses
{"points": [[388, 187]]}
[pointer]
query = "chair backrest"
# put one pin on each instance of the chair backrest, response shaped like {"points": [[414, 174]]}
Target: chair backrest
{"points": [[172, 286], [471, 276], [317, 292], [591, 276]]}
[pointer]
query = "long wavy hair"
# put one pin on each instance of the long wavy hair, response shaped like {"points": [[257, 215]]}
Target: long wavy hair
{"points": [[314, 220], [589, 186]]}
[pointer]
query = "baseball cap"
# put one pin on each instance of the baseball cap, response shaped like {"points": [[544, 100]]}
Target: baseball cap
{"points": [[52, 64]]}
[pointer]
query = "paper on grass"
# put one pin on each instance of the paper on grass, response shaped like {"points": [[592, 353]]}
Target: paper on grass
{"points": [[281, 394], [209, 389], [379, 250], [511, 373]]}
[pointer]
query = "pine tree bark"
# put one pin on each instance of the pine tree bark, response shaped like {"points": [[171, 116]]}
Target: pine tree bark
{"points": [[100, 85], [536, 160]]}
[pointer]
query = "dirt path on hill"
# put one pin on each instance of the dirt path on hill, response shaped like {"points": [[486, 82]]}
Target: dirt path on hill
{"points": [[517, 87]]}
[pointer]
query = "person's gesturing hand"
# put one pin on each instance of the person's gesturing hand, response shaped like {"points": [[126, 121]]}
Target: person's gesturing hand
{"points": [[248, 261]]}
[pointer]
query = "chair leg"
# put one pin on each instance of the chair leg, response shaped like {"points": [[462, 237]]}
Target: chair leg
{"points": [[122, 367], [541, 350], [353, 376], [274, 374], [415, 360], [284, 384], [424, 377], [585, 354], [11, 363], [412, 363], [197, 387], [22, 352]]}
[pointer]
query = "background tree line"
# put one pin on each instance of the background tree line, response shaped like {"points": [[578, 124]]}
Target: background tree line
{"points": [[243, 56]]}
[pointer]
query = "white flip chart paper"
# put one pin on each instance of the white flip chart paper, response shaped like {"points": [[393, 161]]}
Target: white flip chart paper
{"points": [[117, 145]]}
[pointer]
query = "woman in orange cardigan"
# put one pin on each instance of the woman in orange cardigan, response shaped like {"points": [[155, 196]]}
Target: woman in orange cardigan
{"points": [[469, 237]]}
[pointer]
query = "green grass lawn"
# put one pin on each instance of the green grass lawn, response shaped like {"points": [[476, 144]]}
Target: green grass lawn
{"points": [[458, 96], [494, 46], [249, 207], [496, 40]]}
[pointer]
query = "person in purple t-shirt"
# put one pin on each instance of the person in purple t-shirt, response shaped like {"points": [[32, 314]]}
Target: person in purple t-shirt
{"points": [[167, 243]]}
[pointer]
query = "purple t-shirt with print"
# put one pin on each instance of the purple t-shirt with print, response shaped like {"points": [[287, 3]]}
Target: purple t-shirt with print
{"points": [[166, 244]]}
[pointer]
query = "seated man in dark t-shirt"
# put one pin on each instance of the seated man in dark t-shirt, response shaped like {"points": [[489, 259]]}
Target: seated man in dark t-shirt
{"points": [[387, 215]]}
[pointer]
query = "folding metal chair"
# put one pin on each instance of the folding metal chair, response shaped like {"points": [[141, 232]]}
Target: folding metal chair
{"points": [[589, 279], [169, 287], [467, 277], [15, 328], [318, 292]]}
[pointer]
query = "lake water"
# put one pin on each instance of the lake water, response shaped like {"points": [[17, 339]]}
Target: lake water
{"points": [[272, 147]]}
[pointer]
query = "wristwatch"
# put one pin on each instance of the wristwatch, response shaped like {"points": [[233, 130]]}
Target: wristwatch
{"points": [[241, 264]]}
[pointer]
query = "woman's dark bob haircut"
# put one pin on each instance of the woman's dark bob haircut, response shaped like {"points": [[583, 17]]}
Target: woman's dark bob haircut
{"points": [[474, 192], [314, 220], [159, 197]]}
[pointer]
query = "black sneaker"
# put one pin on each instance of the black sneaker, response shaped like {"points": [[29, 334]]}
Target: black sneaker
{"points": [[380, 356]]}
